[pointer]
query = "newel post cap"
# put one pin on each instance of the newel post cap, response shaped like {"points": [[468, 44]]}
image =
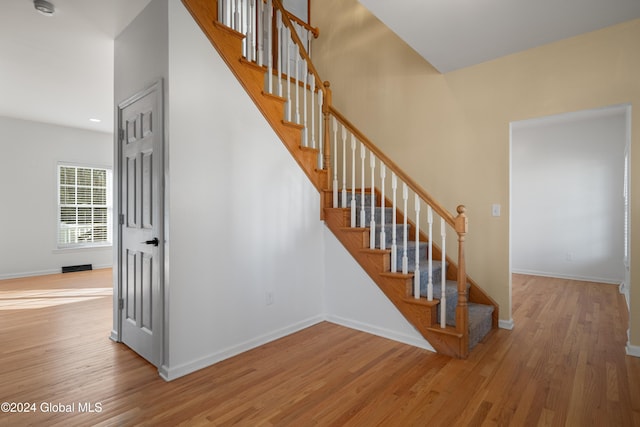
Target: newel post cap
{"points": [[462, 222]]}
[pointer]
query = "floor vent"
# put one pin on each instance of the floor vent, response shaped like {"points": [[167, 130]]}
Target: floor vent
{"points": [[72, 268]]}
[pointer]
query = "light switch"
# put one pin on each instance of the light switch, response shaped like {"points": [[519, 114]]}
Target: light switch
{"points": [[495, 209]]}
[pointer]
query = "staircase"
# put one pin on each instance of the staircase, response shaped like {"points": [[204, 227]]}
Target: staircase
{"points": [[265, 50]]}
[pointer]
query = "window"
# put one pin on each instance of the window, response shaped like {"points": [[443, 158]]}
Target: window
{"points": [[84, 206]]}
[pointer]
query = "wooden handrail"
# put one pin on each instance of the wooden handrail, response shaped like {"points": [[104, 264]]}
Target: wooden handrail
{"points": [[303, 51], [313, 30], [421, 192]]}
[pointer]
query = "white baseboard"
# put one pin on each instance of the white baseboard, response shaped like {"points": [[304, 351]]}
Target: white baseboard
{"points": [[381, 332], [633, 350], [29, 274], [566, 276], [169, 373], [42, 272], [506, 324], [624, 290], [114, 336]]}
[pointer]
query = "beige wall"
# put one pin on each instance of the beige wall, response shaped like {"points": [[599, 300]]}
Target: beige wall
{"points": [[451, 131]]}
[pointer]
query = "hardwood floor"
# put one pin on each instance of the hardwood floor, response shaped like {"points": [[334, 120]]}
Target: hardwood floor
{"points": [[563, 364]]}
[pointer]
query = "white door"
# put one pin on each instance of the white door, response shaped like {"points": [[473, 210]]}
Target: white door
{"points": [[141, 239]]}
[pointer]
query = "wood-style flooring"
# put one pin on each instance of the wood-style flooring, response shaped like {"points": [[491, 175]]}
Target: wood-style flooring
{"points": [[563, 364]]}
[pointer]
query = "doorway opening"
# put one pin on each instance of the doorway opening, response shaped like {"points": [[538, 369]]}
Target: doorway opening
{"points": [[569, 175]]}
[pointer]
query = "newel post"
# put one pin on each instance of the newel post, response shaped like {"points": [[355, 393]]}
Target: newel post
{"points": [[462, 310], [326, 135]]}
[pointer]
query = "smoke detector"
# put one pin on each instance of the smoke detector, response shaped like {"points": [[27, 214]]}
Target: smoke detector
{"points": [[44, 7]]}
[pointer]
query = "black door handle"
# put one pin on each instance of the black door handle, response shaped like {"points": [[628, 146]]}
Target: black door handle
{"points": [[154, 242]]}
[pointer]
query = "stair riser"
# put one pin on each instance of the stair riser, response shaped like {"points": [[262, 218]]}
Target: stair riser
{"points": [[436, 280]]}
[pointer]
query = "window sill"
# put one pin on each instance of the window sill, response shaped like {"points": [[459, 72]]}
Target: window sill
{"points": [[82, 249]]}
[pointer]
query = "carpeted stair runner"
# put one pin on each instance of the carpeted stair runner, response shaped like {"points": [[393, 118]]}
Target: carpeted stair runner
{"points": [[480, 315]]}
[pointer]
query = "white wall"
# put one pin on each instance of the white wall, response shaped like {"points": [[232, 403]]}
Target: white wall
{"points": [[141, 52], [567, 195], [299, 8], [28, 173]]}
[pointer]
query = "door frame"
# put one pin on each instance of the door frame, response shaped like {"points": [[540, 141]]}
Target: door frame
{"points": [[627, 108], [160, 174]]}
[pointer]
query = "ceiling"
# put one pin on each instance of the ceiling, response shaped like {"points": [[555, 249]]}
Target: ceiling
{"points": [[453, 34], [59, 69]]}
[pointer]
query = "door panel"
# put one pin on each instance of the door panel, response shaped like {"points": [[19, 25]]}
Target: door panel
{"points": [[141, 148], [147, 190]]}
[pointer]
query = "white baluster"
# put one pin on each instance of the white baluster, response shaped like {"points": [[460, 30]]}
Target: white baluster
{"points": [[405, 259], [241, 28], [297, 83], [443, 282], [344, 166], [394, 246], [260, 32], [416, 273], [243, 20], [429, 254], [305, 129], [222, 17], [313, 111], [363, 222], [353, 181], [335, 162], [269, 46], [236, 16], [383, 234], [280, 40], [251, 38], [372, 233], [289, 42]]}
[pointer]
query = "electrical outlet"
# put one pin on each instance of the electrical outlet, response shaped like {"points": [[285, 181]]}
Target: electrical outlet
{"points": [[495, 209], [270, 298]]}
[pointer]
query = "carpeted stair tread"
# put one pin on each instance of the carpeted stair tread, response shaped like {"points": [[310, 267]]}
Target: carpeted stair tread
{"points": [[423, 265], [377, 215], [388, 229], [480, 322], [358, 199], [451, 292]]}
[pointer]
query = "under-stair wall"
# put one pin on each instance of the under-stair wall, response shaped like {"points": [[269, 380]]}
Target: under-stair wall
{"points": [[352, 299]]}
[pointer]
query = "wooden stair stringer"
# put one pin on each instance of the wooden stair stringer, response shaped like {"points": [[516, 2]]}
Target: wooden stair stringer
{"points": [[396, 286], [228, 43]]}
